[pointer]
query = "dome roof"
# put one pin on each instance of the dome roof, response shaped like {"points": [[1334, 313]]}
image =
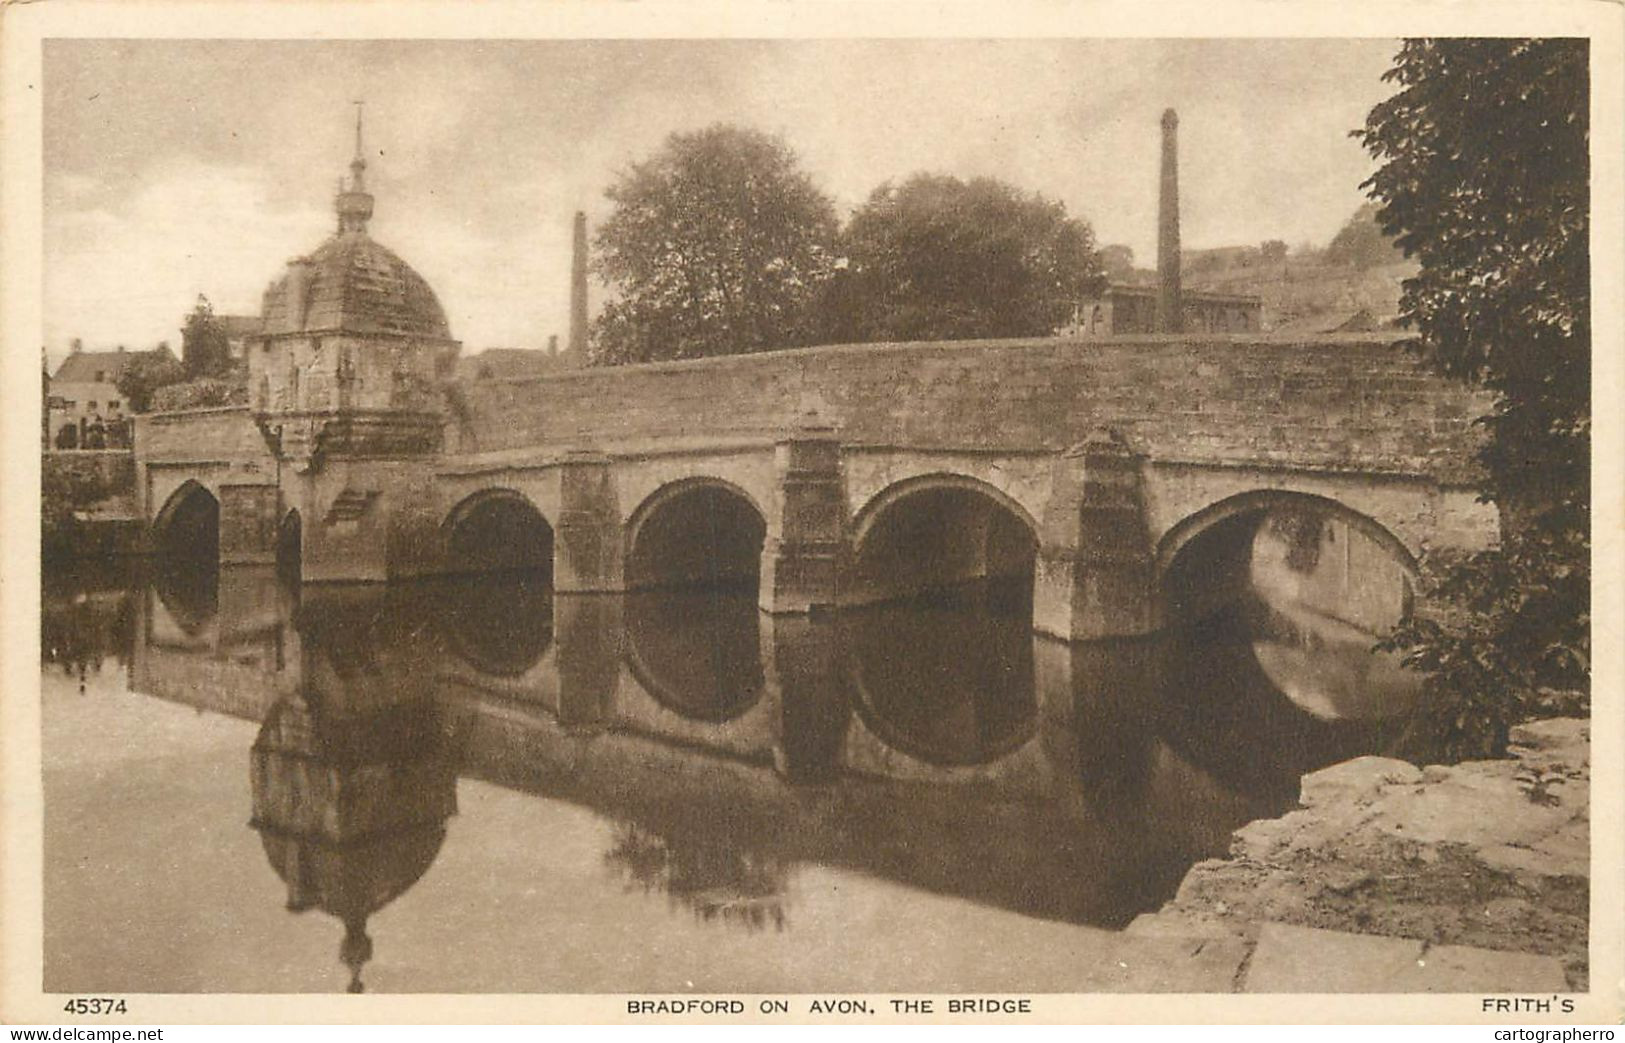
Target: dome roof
{"points": [[352, 284]]}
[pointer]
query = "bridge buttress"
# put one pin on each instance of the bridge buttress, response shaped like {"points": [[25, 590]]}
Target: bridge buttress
{"points": [[801, 554], [801, 668], [249, 514], [589, 633], [588, 552], [1095, 570], [361, 519]]}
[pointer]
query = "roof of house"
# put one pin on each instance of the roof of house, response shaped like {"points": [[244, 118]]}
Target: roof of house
{"points": [[81, 367], [1190, 296], [239, 325], [509, 363]]}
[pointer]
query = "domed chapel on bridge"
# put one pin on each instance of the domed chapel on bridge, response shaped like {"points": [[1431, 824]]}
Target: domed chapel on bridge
{"points": [[350, 326], [345, 393]]}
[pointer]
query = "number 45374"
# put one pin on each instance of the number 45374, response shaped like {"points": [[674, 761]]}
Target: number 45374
{"points": [[95, 1005]]}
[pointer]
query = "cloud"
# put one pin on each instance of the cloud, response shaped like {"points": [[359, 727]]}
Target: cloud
{"points": [[179, 167], [126, 269]]}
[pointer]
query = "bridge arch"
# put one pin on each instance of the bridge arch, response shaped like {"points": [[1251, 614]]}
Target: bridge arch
{"points": [[1288, 593], [1259, 501], [188, 524], [939, 656], [497, 530], [886, 498], [695, 532], [936, 531]]}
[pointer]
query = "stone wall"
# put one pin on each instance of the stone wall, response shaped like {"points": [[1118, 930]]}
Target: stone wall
{"points": [[222, 433], [209, 446], [1349, 402]]}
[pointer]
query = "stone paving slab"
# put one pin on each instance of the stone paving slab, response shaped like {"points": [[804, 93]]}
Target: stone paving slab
{"points": [[1167, 964], [1461, 968], [1168, 925], [1308, 959]]}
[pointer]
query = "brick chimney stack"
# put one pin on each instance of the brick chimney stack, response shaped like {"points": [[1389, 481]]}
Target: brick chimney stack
{"points": [[1170, 308], [578, 289]]}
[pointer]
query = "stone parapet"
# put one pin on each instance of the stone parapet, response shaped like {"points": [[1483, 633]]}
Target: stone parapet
{"points": [[1340, 402]]}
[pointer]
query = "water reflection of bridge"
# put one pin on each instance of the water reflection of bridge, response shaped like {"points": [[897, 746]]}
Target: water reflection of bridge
{"points": [[1064, 781]]}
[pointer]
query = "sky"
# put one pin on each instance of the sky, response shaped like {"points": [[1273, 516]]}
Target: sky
{"points": [[179, 167]]}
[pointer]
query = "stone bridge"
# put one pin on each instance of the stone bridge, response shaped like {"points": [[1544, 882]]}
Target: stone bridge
{"points": [[843, 475]]}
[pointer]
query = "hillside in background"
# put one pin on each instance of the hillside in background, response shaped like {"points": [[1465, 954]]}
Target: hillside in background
{"points": [[1353, 283], [1305, 293]]}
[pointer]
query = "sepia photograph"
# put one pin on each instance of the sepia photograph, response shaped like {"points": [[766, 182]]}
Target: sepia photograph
{"points": [[769, 525]]}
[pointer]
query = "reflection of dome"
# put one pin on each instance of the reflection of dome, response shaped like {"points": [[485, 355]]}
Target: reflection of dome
{"points": [[351, 881], [353, 285], [351, 812]]}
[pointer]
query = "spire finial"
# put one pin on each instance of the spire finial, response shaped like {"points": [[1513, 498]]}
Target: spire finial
{"points": [[354, 204], [358, 165]]}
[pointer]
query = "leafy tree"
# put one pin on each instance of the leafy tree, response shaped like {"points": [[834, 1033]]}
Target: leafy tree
{"points": [[1361, 242], [205, 350], [1118, 260], [64, 491], [144, 374], [940, 258], [1484, 178], [202, 393], [716, 246]]}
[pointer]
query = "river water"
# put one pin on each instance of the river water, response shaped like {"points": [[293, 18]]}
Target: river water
{"points": [[459, 786]]}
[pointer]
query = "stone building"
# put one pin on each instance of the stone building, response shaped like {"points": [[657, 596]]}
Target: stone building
{"points": [[515, 363], [349, 326], [344, 383], [1128, 308], [239, 331], [84, 390]]}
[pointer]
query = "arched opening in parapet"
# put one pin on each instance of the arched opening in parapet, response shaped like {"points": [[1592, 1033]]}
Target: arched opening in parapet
{"points": [[187, 528], [289, 547], [941, 657], [695, 534], [498, 530], [1275, 594], [694, 554]]}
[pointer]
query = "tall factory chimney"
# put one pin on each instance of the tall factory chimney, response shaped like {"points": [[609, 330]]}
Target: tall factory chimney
{"points": [[578, 290], [1170, 308]]}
